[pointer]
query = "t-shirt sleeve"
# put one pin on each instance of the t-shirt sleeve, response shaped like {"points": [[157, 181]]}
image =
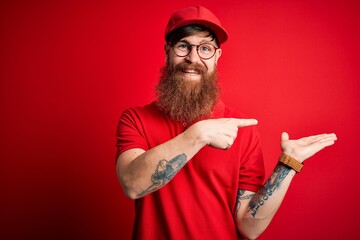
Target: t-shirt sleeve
{"points": [[252, 170], [130, 133]]}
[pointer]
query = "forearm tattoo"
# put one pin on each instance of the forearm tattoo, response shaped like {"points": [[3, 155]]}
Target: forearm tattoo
{"points": [[279, 174], [165, 171], [241, 196]]}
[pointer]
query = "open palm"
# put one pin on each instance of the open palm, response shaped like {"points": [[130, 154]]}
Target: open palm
{"points": [[305, 147]]}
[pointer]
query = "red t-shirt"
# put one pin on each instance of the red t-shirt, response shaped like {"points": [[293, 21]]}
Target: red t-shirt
{"points": [[199, 202]]}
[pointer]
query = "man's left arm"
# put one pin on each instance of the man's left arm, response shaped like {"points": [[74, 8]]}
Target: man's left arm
{"points": [[254, 211]]}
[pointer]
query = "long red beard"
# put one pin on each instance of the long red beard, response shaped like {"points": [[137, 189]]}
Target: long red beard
{"points": [[185, 100]]}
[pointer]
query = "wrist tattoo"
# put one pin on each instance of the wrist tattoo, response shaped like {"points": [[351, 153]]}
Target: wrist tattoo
{"points": [[267, 190], [165, 171]]}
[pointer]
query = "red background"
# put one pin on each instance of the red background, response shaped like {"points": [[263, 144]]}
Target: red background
{"points": [[69, 68]]}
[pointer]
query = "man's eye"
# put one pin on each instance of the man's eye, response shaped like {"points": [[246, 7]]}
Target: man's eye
{"points": [[205, 48], [182, 46]]}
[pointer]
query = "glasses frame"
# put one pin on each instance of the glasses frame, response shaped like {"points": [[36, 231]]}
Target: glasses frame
{"points": [[191, 47]]}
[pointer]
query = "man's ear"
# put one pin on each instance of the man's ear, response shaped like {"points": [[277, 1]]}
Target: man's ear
{"points": [[218, 54]]}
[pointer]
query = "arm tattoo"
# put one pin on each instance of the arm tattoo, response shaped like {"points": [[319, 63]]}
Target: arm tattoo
{"points": [[241, 196], [165, 171], [279, 174]]}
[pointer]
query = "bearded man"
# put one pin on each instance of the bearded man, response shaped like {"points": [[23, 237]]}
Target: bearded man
{"points": [[194, 165]]}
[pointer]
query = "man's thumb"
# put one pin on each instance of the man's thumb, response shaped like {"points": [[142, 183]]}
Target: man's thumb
{"points": [[284, 136]]}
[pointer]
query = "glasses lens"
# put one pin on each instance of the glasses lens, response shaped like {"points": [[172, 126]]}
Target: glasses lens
{"points": [[206, 50], [182, 49]]}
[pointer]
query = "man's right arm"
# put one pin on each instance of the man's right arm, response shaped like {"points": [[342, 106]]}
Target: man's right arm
{"points": [[142, 172]]}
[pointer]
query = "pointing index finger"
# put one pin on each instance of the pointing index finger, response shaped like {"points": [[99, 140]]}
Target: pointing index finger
{"points": [[241, 122]]}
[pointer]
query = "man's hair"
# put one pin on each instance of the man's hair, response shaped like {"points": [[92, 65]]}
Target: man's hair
{"points": [[189, 30]]}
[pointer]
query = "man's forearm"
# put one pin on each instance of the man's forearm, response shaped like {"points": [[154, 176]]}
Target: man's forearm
{"points": [[260, 207], [271, 194], [165, 170], [141, 174]]}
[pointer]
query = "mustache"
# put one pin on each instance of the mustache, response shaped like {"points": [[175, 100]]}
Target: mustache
{"points": [[184, 66]]}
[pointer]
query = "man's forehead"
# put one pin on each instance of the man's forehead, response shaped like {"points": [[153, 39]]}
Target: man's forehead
{"points": [[199, 37]]}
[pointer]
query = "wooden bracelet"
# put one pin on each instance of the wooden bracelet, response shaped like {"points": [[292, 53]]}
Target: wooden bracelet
{"points": [[291, 162]]}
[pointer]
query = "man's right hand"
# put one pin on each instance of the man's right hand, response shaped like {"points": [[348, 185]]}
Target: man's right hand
{"points": [[220, 133]]}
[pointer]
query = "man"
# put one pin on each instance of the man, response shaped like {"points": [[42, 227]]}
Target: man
{"points": [[195, 166]]}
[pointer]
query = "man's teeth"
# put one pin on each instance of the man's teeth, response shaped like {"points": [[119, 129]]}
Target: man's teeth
{"points": [[191, 71]]}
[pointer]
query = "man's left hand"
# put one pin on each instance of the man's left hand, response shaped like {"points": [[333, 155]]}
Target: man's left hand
{"points": [[303, 148]]}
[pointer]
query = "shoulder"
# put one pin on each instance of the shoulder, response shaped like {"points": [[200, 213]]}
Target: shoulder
{"points": [[145, 117], [142, 111]]}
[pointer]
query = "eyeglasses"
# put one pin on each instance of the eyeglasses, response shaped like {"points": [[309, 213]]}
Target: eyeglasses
{"points": [[204, 50]]}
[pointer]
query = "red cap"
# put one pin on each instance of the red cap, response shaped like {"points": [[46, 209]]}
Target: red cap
{"points": [[196, 15]]}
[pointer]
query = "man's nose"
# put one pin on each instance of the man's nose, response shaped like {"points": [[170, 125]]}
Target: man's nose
{"points": [[193, 55]]}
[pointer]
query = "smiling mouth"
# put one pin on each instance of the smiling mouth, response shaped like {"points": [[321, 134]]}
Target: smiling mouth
{"points": [[191, 72]]}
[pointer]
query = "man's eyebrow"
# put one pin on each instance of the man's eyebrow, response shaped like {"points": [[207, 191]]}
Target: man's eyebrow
{"points": [[201, 42], [206, 41]]}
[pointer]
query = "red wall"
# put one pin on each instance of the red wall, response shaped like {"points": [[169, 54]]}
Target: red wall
{"points": [[69, 68]]}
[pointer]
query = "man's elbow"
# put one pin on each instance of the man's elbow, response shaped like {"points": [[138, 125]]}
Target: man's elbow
{"points": [[127, 187], [251, 228], [250, 236], [130, 191], [131, 194], [249, 233]]}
